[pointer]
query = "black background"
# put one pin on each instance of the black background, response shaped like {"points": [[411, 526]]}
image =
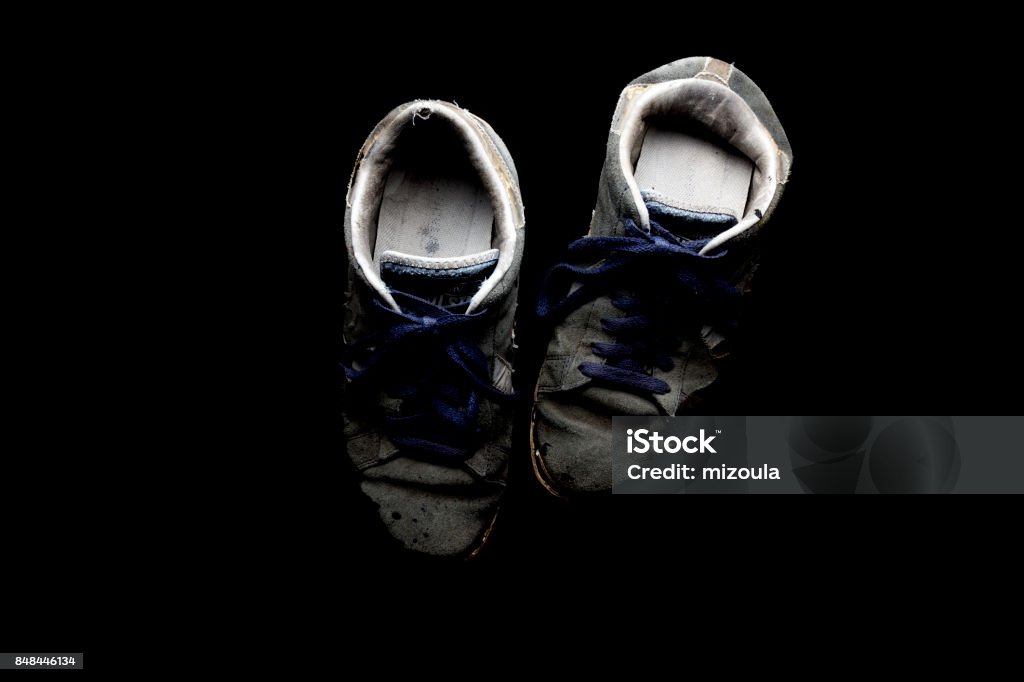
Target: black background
{"points": [[889, 285]]}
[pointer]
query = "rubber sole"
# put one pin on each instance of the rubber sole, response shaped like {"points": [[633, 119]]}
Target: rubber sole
{"points": [[475, 552], [540, 472]]}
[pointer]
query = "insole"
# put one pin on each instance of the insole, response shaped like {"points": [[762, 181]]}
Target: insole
{"points": [[433, 206], [691, 172]]}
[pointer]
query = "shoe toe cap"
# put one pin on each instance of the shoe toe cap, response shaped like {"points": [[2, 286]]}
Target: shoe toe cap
{"points": [[441, 518], [572, 447]]}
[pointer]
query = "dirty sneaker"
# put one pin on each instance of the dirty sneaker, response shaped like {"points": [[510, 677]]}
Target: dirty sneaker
{"points": [[646, 304], [434, 230]]}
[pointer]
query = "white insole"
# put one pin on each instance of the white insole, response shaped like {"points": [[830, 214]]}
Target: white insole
{"points": [[692, 173], [433, 214]]}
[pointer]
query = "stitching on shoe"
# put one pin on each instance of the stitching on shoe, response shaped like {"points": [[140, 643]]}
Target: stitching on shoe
{"points": [[707, 75]]}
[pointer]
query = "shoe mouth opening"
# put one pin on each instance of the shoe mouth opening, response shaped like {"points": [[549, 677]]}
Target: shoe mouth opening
{"points": [[695, 115], [391, 207]]}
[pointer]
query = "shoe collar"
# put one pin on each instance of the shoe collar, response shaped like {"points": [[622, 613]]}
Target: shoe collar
{"points": [[370, 175], [723, 112]]}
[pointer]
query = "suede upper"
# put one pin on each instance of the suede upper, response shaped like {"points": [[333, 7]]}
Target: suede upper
{"points": [[433, 506], [572, 413]]}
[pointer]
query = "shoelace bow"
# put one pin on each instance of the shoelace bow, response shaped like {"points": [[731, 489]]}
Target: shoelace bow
{"points": [[674, 284], [425, 359]]}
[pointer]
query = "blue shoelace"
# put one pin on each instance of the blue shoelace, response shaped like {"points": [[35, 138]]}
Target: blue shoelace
{"points": [[672, 285], [424, 358]]}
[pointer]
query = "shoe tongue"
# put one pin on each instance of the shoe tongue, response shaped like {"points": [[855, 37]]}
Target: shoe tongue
{"points": [[447, 282], [685, 222]]}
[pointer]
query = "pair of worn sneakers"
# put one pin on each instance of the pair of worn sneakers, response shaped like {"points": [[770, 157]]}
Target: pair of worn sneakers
{"points": [[641, 312]]}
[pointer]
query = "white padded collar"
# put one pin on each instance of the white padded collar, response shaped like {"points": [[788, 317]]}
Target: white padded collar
{"points": [[371, 173], [722, 112]]}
